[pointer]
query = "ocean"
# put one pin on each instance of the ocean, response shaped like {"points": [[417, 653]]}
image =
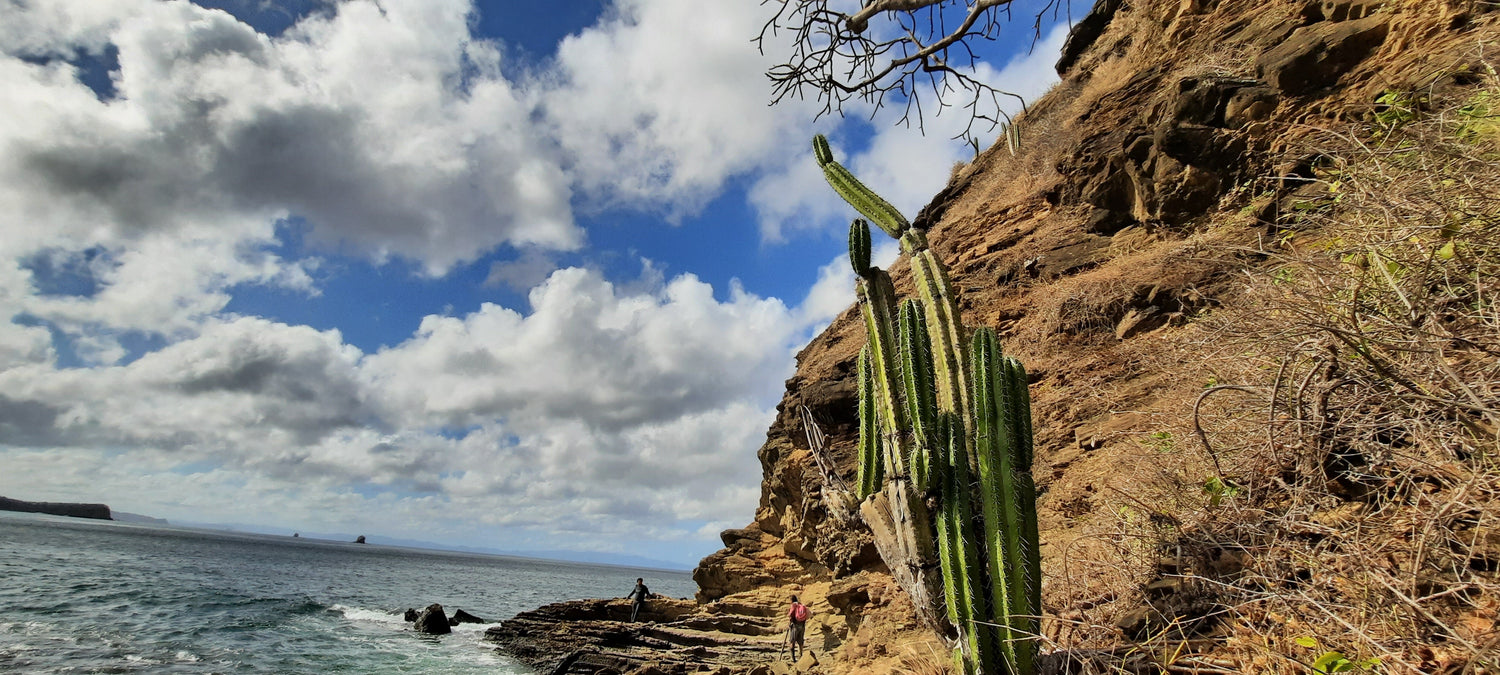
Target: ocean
{"points": [[82, 596]]}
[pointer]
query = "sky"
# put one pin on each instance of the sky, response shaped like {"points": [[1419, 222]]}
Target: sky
{"points": [[506, 274]]}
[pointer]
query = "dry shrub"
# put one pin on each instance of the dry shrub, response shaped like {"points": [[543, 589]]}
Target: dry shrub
{"points": [[925, 658], [1356, 508]]}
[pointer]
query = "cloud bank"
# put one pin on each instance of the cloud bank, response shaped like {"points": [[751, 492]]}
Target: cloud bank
{"points": [[598, 414]]}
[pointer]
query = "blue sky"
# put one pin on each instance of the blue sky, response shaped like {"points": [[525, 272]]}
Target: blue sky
{"points": [[517, 275]]}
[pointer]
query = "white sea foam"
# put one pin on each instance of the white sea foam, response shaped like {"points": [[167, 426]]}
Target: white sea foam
{"points": [[365, 615]]}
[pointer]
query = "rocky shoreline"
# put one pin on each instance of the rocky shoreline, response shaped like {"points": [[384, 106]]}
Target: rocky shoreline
{"points": [[595, 637]]}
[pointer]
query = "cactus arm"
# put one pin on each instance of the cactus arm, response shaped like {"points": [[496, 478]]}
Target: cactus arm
{"points": [[870, 474], [859, 247], [943, 473], [877, 299], [944, 327], [862, 198], [1013, 513], [917, 388], [976, 631], [1021, 399], [1020, 419], [821, 151], [991, 444]]}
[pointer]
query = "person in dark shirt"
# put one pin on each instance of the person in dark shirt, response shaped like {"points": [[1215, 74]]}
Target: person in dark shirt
{"points": [[638, 595]]}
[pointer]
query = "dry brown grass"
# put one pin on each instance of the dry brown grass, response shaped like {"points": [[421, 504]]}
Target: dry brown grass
{"points": [[1331, 488], [1357, 437]]}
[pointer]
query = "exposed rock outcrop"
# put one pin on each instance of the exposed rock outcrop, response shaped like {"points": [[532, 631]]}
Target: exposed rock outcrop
{"points": [[432, 621], [673, 636], [460, 616]]}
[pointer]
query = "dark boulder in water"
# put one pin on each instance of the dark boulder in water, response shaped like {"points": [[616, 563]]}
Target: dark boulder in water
{"points": [[360, 539], [460, 616], [411, 615], [433, 621]]}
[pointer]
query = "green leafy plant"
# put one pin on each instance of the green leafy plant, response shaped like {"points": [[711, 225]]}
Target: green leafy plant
{"points": [[1162, 442], [945, 432], [1218, 489], [1332, 661], [1396, 109]]}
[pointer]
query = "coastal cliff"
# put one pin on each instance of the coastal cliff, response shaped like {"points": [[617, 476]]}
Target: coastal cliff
{"points": [[95, 511], [1128, 253]]}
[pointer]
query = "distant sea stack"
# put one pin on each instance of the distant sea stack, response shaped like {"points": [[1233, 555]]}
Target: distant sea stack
{"points": [[95, 511], [360, 539]]}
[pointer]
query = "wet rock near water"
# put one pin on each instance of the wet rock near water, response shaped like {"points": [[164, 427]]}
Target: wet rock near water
{"points": [[594, 637], [432, 621], [460, 616]]}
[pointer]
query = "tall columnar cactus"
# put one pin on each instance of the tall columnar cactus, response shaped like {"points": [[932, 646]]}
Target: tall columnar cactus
{"points": [[937, 411], [1007, 496]]}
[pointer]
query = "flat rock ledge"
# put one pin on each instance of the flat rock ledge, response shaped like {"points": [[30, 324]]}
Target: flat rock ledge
{"points": [[594, 637]]}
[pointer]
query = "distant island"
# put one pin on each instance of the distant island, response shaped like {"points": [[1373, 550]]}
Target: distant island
{"points": [[125, 517], [95, 511]]}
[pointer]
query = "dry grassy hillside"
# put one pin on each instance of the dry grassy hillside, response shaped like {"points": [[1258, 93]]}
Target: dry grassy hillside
{"points": [[1248, 253]]}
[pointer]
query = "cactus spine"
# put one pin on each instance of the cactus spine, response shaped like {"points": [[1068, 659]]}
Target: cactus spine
{"points": [[936, 411]]}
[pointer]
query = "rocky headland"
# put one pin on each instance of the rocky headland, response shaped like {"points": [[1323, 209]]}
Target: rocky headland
{"points": [[71, 510], [1126, 253]]}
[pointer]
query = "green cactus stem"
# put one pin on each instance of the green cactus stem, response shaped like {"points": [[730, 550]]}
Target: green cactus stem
{"points": [[859, 247], [955, 588], [1019, 418], [821, 151], [863, 199], [1012, 134], [871, 474], [974, 616], [950, 372], [1008, 497], [917, 388], [877, 300], [992, 444]]}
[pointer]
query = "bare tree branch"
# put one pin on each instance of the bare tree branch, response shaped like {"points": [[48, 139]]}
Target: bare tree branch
{"points": [[926, 48]]}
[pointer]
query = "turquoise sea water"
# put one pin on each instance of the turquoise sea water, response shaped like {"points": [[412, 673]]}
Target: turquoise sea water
{"points": [[79, 596]]}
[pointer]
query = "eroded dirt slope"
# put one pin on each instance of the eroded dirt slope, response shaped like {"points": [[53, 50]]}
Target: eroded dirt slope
{"points": [[1168, 160]]}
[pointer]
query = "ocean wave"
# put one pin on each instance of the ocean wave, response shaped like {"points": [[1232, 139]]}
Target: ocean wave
{"points": [[366, 615]]}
